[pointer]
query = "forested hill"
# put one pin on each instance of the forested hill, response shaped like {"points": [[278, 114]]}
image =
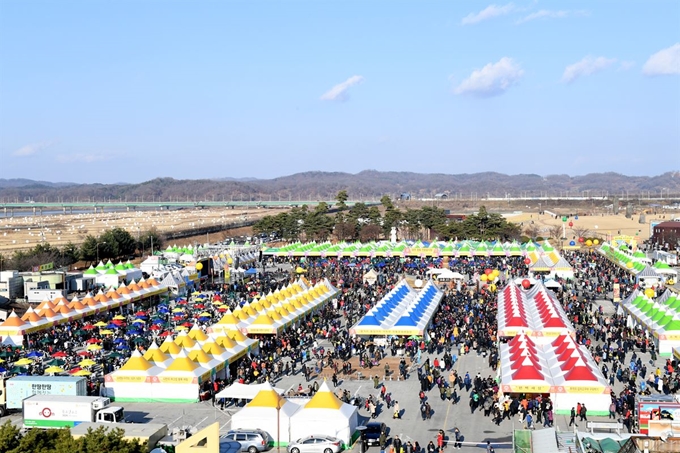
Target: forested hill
{"points": [[370, 183]]}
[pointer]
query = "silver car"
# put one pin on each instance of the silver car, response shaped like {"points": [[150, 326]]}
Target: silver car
{"points": [[251, 440], [316, 444]]}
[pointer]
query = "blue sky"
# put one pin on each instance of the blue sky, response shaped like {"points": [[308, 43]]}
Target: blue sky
{"points": [[125, 91]]}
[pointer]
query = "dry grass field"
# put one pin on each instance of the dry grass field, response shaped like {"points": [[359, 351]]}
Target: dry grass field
{"points": [[25, 231]]}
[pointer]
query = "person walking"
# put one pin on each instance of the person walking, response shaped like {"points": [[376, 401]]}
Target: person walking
{"points": [[397, 411], [572, 417], [431, 447], [440, 440], [396, 444], [489, 447], [459, 439], [584, 413]]}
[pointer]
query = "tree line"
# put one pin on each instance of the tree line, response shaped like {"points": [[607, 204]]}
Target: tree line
{"points": [[368, 223], [61, 441], [113, 244]]}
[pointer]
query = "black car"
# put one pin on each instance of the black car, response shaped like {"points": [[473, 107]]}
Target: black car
{"points": [[372, 433]]}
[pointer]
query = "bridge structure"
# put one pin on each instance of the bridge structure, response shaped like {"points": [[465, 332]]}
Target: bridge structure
{"points": [[102, 206]]}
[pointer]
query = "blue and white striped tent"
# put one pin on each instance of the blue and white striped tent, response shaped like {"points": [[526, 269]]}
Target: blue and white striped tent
{"points": [[403, 311]]}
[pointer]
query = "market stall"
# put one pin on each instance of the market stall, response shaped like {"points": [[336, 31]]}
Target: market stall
{"points": [[403, 311]]}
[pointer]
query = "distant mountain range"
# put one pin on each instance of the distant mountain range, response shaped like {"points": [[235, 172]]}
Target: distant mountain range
{"points": [[370, 183], [20, 182]]}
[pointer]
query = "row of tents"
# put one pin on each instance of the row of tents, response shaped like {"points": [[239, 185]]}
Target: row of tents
{"points": [[278, 310], [176, 370], [561, 368], [638, 264], [535, 312], [403, 311], [414, 249], [659, 316], [59, 311]]}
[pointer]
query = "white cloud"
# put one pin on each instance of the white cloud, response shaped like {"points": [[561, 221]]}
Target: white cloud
{"points": [[32, 148], [493, 79], [664, 62], [339, 91], [626, 65], [550, 14], [83, 158], [489, 12], [589, 65]]}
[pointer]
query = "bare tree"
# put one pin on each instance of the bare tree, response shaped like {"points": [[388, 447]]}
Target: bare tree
{"points": [[581, 232], [532, 231], [555, 231]]}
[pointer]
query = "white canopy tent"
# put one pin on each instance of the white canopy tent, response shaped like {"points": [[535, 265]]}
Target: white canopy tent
{"points": [[325, 414], [245, 391], [270, 412]]}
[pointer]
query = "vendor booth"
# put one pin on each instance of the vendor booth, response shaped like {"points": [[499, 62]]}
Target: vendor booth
{"points": [[562, 369], [326, 414], [403, 311], [270, 412], [534, 311], [660, 317]]}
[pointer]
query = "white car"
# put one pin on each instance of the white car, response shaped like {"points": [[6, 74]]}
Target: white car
{"points": [[316, 444]]}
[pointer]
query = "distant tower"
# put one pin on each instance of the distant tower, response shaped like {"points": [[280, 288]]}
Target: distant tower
{"points": [[615, 205]]}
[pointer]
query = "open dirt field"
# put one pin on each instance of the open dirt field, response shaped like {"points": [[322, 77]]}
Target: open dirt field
{"points": [[23, 232], [598, 225]]}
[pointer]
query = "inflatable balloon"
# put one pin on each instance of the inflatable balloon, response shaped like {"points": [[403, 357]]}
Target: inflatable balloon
{"points": [[572, 243], [571, 224], [596, 241], [199, 266], [589, 242], [649, 292], [492, 287], [629, 264], [483, 277], [527, 261], [230, 261], [581, 240], [496, 273], [487, 271], [526, 283]]}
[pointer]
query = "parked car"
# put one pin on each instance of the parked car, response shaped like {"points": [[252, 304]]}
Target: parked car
{"points": [[251, 440], [316, 444], [373, 431]]}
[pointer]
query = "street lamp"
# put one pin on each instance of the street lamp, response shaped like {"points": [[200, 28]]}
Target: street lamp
{"points": [[98, 250]]}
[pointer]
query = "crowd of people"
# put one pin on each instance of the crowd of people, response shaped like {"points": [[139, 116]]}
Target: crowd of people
{"points": [[464, 323]]}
